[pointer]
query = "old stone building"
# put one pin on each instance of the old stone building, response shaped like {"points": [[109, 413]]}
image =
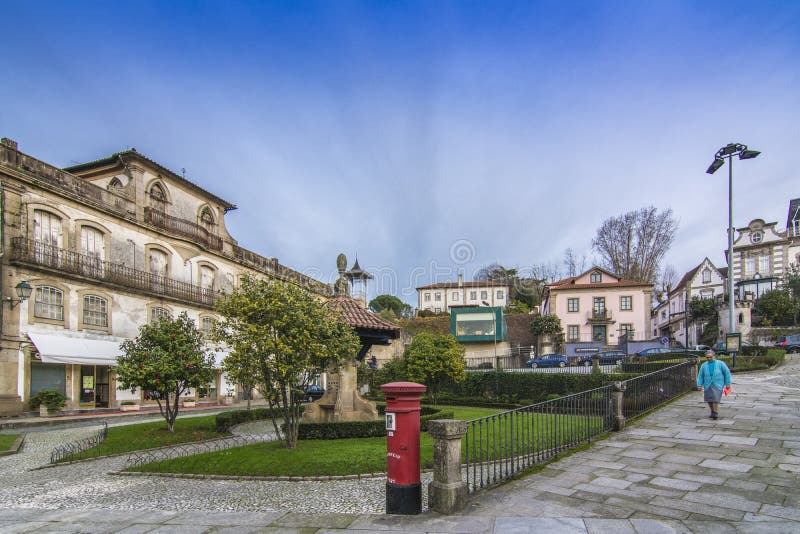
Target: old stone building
{"points": [[104, 247]]}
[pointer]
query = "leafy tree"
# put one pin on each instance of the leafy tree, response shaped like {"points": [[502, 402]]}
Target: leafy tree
{"points": [[526, 291], [633, 244], [546, 324], [434, 360], [392, 303], [704, 312], [166, 358], [287, 337], [242, 370], [777, 306]]}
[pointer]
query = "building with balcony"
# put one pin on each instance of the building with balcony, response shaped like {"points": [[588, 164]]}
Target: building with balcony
{"points": [[107, 246], [598, 307], [443, 296], [668, 318]]}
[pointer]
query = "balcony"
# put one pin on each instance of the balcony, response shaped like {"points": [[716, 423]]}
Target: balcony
{"points": [[183, 228], [53, 177], [66, 262], [600, 316], [272, 267]]}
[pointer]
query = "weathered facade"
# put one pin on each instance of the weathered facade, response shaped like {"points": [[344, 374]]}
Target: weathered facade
{"points": [[107, 246]]}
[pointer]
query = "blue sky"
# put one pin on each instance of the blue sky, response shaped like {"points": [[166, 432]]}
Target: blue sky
{"points": [[424, 137]]}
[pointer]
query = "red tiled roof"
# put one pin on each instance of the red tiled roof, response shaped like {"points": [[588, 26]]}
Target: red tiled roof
{"points": [[570, 283], [357, 316], [455, 285]]}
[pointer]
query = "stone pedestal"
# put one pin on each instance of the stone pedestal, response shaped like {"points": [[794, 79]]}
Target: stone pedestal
{"points": [[341, 401], [617, 399], [448, 492]]}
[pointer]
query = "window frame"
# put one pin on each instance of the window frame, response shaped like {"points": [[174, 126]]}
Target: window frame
{"points": [[596, 277], [82, 324], [623, 299], [577, 330], [32, 306], [570, 302]]}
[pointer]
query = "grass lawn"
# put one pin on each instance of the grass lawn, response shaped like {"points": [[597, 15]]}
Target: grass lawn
{"points": [[129, 438], [361, 455], [7, 440]]}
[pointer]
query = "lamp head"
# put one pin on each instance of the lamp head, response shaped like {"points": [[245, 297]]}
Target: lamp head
{"points": [[714, 167], [749, 154], [23, 290]]}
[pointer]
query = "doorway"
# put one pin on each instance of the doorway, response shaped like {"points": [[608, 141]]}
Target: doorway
{"points": [[599, 333], [94, 386]]}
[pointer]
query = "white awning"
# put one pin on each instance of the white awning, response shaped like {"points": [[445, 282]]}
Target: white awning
{"points": [[53, 348]]}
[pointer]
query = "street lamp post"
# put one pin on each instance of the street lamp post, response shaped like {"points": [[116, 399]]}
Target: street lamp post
{"points": [[728, 151]]}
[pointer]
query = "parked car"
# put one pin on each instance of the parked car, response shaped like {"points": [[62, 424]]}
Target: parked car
{"points": [[699, 347], [313, 392], [790, 343], [721, 347], [607, 357], [653, 351], [548, 360]]}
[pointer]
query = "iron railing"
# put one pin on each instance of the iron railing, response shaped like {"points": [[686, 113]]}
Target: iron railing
{"points": [[67, 450], [35, 253], [67, 183], [649, 391], [498, 447], [157, 460], [272, 267], [182, 227]]}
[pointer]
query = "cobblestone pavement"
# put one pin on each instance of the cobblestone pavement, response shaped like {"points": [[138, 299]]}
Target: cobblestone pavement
{"points": [[673, 471]]}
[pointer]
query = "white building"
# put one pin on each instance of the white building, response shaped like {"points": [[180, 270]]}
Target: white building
{"points": [[107, 246], [443, 296], [668, 318]]}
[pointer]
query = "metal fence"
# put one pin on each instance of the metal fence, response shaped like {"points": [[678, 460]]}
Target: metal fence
{"points": [[499, 446], [65, 451], [153, 457], [646, 392]]}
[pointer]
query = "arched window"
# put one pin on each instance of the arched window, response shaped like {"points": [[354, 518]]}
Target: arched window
{"points": [[206, 277], [206, 217], [158, 197], [741, 318], [49, 303], [115, 183], [706, 276], [95, 311]]}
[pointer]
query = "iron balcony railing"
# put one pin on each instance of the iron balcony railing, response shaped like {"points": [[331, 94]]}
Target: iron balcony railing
{"points": [[182, 227], [498, 447], [65, 182], [600, 315], [272, 267], [64, 261], [649, 391]]}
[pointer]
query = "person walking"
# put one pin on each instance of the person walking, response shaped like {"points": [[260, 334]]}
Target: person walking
{"points": [[712, 378]]}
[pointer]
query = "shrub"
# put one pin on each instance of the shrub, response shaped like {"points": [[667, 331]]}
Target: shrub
{"points": [[127, 403], [365, 429], [226, 420], [54, 400]]}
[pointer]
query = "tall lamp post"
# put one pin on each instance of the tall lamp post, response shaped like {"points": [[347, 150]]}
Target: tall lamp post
{"points": [[728, 151]]}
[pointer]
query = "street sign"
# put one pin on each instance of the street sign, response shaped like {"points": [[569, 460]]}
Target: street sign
{"points": [[665, 341]]}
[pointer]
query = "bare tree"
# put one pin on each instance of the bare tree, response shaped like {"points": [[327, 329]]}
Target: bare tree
{"points": [[669, 278], [633, 244], [573, 265]]}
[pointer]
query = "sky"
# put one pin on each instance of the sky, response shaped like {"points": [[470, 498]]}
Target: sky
{"points": [[429, 138]]}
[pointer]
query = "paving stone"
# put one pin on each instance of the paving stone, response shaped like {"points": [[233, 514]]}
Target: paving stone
{"points": [[656, 526], [780, 511], [675, 483], [225, 518], [609, 526], [14, 527], [649, 509], [679, 459], [325, 520], [726, 466], [703, 479], [698, 508], [611, 482], [774, 527], [535, 525]]}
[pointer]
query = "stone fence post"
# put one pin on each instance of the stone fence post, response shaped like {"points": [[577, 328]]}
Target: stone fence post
{"points": [[448, 492], [617, 398]]}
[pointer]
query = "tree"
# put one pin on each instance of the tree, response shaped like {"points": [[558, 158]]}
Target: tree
{"points": [[574, 265], [524, 291], [668, 279], [166, 358], [434, 360], [778, 307], [391, 303], [546, 324], [287, 337], [704, 312], [633, 244]]}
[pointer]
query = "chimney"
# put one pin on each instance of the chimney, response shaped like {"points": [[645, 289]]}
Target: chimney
{"points": [[460, 280]]}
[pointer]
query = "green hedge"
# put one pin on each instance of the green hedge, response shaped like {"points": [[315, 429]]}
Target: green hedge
{"points": [[645, 367], [769, 358], [226, 420], [529, 388], [365, 429]]}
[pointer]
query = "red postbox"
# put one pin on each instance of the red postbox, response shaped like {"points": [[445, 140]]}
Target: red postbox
{"points": [[403, 488]]}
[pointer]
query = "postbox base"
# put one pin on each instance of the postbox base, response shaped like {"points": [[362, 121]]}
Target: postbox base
{"points": [[403, 499]]}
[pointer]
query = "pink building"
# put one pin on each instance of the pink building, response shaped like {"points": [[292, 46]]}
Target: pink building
{"points": [[599, 306]]}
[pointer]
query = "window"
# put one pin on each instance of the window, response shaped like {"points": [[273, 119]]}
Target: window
{"points": [[707, 294], [206, 324], [93, 251], [599, 306], [427, 297], [114, 184], [484, 295], [763, 264], [626, 303], [500, 294], [473, 295], [595, 277], [156, 314], [749, 265], [573, 333], [47, 237], [573, 305], [663, 314], [626, 329], [95, 311], [49, 303], [157, 193], [437, 297], [207, 276], [454, 296], [741, 318], [706, 276], [206, 217], [757, 237]]}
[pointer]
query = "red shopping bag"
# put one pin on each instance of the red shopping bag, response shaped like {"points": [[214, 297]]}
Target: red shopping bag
{"points": [[726, 390]]}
